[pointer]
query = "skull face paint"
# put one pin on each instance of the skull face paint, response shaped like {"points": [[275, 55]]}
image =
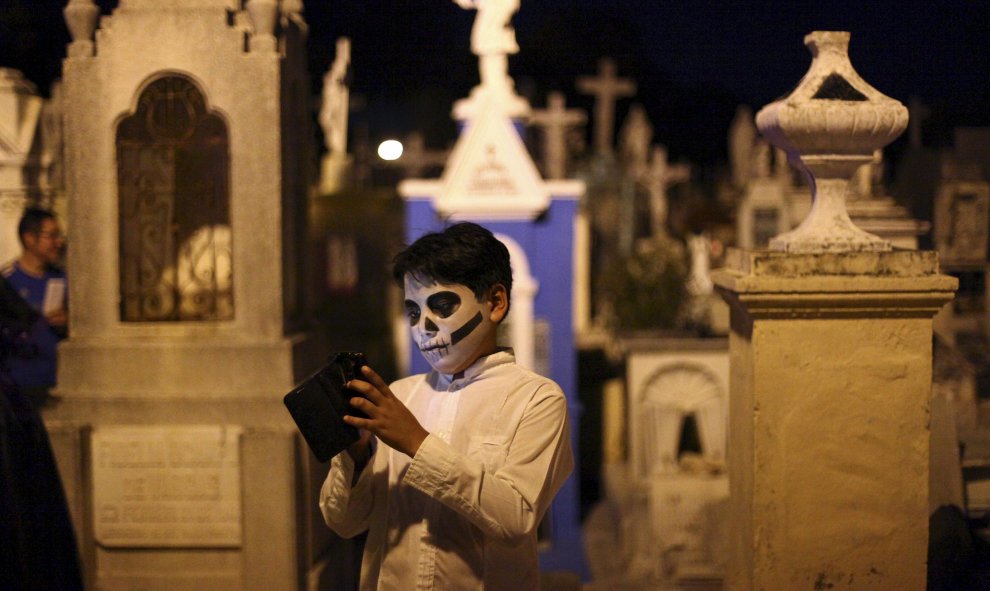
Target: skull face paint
{"points": [[449, 325]]}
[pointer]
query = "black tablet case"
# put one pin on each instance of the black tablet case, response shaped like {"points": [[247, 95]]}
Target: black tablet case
{"points": [[319, 403]]}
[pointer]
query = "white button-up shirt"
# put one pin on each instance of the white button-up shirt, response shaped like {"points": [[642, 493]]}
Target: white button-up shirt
{"points": [[463, 513]]}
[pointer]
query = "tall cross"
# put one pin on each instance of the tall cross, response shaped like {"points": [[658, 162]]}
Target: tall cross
{"points": [[607, 88], [555, 121], [660, 176]]}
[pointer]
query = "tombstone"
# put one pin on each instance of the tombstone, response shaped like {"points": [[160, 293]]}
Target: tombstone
{"points": [[875, 212], [491, 179], [815, 400], [21, 111], [607, 89], [187, 133], [742, 136], [668, 497], [556, 121], [962, 218], [765, 208], [333, 118]]}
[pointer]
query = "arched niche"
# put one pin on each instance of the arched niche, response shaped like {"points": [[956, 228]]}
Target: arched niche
{"points": [[173, 178], [671, 395]]}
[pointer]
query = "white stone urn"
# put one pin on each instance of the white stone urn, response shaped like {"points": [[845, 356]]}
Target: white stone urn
{"points": [[830, 125], [80, 18]]}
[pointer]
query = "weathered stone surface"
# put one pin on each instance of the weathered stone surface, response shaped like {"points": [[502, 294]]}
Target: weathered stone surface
{"points": [[829, 418]]}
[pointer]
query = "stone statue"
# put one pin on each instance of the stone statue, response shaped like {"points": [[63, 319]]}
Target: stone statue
{"points": [[492, 39], [333, 114], [635, 138]]}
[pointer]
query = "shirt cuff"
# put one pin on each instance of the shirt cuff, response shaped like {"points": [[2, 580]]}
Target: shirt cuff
{"points": [[429, 471]]}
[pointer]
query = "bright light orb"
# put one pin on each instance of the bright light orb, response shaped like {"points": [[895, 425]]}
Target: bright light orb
{"points": [[390, 150]]}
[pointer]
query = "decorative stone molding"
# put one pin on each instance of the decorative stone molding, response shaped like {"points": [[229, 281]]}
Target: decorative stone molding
{"points": [[81, 17], [902, 284], [264, 15], [829, 126]]}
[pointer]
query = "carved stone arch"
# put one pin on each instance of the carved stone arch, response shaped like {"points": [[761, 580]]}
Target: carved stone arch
{"points": [[173, 179], [672, 393]]}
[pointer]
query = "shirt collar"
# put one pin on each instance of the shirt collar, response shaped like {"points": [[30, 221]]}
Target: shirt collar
{"points": [[480, 366]]}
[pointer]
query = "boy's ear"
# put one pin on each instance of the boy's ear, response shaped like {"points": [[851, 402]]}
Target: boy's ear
{"points": [[499, 299]]}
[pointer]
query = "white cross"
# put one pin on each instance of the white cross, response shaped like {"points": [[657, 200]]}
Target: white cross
{"points": [[660, 176], [608, 89], [555, 121]]}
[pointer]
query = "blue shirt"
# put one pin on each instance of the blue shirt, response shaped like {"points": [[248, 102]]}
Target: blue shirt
{"points": [[37, 370]]}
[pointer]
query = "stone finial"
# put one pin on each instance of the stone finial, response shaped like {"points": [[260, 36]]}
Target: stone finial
{"points": [[80, 17], [830, 125], [264, 15]]}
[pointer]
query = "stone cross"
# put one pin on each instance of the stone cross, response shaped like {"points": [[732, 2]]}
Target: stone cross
{"points": [[659, 176], [555, 122], [416, 159], [333, 113], [607, 88]]}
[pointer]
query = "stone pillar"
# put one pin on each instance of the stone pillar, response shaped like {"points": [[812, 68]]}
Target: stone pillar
{"points": [[831, 361], [828, 449]]}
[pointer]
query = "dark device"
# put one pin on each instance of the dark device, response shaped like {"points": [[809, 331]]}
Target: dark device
{"points": [[319, 403]]}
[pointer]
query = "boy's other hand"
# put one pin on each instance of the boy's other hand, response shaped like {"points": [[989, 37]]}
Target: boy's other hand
{"points": [[388, 418]]}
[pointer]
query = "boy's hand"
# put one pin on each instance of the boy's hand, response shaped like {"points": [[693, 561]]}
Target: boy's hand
{"points": [[388, 418]]}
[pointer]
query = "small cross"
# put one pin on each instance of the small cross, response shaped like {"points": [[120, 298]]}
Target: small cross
{"points": [[660, 176], [607, 88], [555, 121]]}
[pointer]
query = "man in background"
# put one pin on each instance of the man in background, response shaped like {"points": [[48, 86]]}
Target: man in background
{"points": [[36, 277]]}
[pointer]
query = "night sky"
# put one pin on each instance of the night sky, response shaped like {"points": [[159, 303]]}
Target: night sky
{"points": [[693, 61]]}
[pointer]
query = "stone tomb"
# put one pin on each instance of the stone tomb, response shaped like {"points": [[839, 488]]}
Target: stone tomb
{"points": [[186, 133], [668, 501]]}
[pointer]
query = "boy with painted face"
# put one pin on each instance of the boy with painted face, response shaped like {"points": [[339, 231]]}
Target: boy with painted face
{"points": [[474, 450]]}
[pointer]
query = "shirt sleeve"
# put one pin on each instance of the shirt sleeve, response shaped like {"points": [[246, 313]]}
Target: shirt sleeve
{"points": [[506, 502], [346, 508]]}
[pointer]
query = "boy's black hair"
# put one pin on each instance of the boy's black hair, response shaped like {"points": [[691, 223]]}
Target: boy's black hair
{"points": [[31, 221], [465, 253]]}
